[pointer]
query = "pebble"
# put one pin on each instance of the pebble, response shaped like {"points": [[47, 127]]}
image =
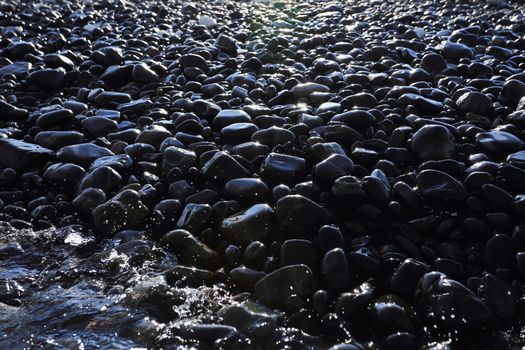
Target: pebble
{"points": [[277, 286], [296, 213], [336, 270], [107, 217], [433, 142], [223, 167], [252, 224], [55, 140], [474, 102], [306, 89], [20, 155], [282, 168], [437, 185], [82, 154], [333, 167], [359, 168], [498, 143], [190, 249]]}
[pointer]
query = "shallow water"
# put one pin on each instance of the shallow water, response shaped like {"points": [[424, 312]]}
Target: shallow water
{"points": [[62, 290]]}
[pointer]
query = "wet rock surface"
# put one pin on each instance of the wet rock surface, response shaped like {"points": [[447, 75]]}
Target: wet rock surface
{"points": [[262, 174]]}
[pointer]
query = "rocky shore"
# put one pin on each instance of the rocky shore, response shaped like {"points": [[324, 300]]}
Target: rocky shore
{"points": [[350, 174]]}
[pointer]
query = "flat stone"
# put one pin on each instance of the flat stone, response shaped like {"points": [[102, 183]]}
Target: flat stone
{"points": [[20, 155], [437, 185], [82, 154], [498, 142]]}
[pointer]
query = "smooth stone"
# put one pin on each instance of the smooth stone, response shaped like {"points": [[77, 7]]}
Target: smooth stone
{"points": [[169, 209], [499, 296], [392, 314], [194, 216], [180, 190], [277, 286], [498, 143], [246, 315], [250, 150], [57, 60], [20, 155], [499, 250], [282, 168], [10, 112], [207, 21], [433, 62], [57, 139], [456, 51], [230, 116], [47, 78], [436, 185], [474, 102], [423, 104], [222, 167], [466, 307], [136, 106], [252, 224], [321, 151], [299, 251], [119, 162], [99, 126], [136, 211], [18, 69], [245, 278], [355, 118], [143, 74], [138, 151], [517, 159], [273, 136], [353, 304], [64, 173], [239, 131], [193, 61], [52, 118], [87, 200], [176, 157], [433, 142], [298, 214], [362, 99], [335, 269], [104, 178], [376, 189], [406, 277], [190, 250], [117, 75], [512, 91], [153, 135], [333, 167], [306, 89], [109, 217], [226, 43], [330, 237], [328, 107], [110, 99], [246, 189], [82, 154]]}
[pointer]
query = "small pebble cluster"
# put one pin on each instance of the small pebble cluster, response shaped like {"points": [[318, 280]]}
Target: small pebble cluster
{"points": [[357, 164]]}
